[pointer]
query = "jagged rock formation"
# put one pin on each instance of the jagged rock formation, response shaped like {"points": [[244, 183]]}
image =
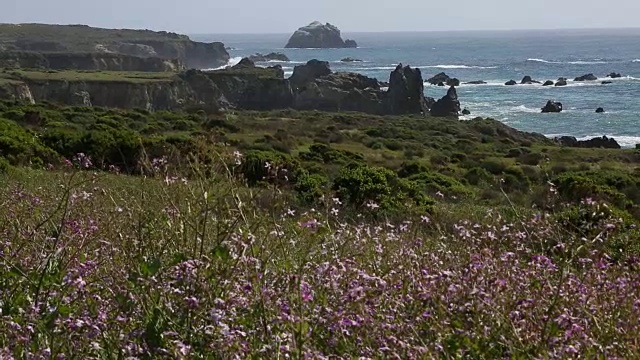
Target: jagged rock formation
{"points": [[548, 83], [527, 80], [244, 86], [44, 38], [317, 35], [406, 92], [447, 106], [511, 83]]}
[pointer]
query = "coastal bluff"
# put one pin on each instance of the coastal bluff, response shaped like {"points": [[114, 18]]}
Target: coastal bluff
{"points": [[319, 36], [23, 40]]}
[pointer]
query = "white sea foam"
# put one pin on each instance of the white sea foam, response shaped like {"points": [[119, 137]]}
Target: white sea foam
{"points": [[579, 62], [636, 60], [587, 62], [524, 109], [458, 67], [232, 62], [543, 61]]}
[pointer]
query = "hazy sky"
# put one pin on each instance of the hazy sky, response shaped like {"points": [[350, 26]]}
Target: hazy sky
{"points": [[284, 16]]}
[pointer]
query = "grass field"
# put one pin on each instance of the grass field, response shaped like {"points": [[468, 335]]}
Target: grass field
{"points": [[310, 235], [97, 76]]}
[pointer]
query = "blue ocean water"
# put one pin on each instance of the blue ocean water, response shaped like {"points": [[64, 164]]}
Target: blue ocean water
{"points": [[497, 57]]}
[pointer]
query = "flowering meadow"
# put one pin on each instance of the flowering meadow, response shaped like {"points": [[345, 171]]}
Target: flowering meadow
{"points": [[98, 265]]}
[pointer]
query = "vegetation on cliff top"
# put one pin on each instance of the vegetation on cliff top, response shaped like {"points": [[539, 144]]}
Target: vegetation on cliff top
{"points": [[74, 75], [70, 34], [310, 235]]}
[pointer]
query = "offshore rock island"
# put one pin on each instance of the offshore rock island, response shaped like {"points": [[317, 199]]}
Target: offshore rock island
{"points": [[319, 36]]}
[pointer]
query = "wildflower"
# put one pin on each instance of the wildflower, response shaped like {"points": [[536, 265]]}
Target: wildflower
{"points": [[337, 201], [372, 205], [425, 219], [267, 165], [237, 156], [334, 212], [440, 194], [291, 212]]}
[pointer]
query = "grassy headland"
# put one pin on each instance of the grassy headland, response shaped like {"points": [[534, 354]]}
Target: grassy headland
{"points": [[310, 235]]}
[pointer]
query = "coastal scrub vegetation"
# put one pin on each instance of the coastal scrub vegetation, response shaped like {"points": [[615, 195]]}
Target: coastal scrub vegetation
{"points": [[310, 235]]}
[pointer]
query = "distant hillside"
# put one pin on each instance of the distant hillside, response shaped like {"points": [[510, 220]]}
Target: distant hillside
{"points": [[45, 38]]}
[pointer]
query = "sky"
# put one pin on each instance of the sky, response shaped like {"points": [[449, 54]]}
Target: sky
{"points": [[284, 16]]}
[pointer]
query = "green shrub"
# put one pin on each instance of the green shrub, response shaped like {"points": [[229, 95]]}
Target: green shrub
{"points": [[310, 187], [494, 166], [476, 176]]}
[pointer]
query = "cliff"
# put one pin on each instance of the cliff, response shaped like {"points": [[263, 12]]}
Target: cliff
{"points": [[87, 61], [153, 94], [84, 39]]}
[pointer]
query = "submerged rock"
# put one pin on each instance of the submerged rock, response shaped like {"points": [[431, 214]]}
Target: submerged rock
{"points": [[614, 75], [599, 110], [597, 142], [466, 112], [511, 83], [476, 82], [319, 36], [587, 77], [548, 83], [447, 106], [350, 59], [444, 79], [606, 82], [552, 107]]}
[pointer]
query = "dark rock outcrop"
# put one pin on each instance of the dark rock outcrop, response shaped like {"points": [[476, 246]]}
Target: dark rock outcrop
{"points": [[587, 77], [308, 72], [444, 79], [316, 35], [269, 57], [350, 59], [598, 142], [528, 80], [614, 75], [341, 92], [447, 106], [548, 83], [561, 82], [599, 110], [476, 82], [606, 82], [511, 83], [246, 86], [552, 107], [465, 111], [406, 92]]}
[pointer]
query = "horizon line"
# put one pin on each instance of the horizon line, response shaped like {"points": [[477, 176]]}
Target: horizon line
{"points": [[426, 31]]}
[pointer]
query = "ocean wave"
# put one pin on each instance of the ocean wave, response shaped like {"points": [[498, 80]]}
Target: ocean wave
{"points": [[458, 67], [232, 62], [635, 60], [579, 62], [524, 109]]}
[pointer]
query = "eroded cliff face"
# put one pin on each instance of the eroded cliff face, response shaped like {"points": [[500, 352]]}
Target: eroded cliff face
{"points": [[87, 61], [151, 96]]}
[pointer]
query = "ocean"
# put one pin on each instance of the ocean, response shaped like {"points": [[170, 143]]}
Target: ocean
{"points": [[497, 57]]}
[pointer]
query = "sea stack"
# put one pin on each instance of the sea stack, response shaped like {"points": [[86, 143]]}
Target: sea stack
{"points": [[319, 36]]}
